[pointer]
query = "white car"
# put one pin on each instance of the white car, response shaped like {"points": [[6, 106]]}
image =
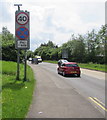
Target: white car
{"points": [[61, 61], [39, 58], [30, 59]]}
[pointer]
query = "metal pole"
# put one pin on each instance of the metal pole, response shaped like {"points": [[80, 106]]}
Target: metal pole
{"points": [[18, 61], [25, 67], [18, 54], [18, 6]]}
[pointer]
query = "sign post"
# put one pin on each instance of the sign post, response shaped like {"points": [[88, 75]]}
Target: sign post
{"points": [[18, 56], [64, 53], [22, 39], [25, 66]]}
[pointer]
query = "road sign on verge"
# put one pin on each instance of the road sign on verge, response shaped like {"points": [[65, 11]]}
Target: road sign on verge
{"points": [[64, 53], [22, 18], [22, 34]]}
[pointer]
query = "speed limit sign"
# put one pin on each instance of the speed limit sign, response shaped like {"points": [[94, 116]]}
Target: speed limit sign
{"points": [[22, 18]]}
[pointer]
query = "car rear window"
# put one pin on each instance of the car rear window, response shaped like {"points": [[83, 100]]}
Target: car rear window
{"points": [[64, 61], [71, 65]]}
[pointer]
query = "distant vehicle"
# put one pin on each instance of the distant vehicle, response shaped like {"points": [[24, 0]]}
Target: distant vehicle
{"points": [[61, 61], [34, 61], [39, 58], [69, 68], [30, 59]]}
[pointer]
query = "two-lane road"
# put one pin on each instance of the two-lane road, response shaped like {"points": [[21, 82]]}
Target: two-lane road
{"points": [[91, 83], [68, 97]]}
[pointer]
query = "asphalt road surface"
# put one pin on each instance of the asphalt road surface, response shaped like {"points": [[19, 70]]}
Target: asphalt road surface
{"points": [[56, 96]]}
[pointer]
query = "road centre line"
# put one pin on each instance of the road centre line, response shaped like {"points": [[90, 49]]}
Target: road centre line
{"points": [[98, 102]]}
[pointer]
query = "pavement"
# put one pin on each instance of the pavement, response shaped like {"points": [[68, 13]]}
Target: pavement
{"points": [[96, 74], [54, 98]]}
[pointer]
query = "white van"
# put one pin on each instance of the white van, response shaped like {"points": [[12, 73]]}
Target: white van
{"points": [[39, 58]]}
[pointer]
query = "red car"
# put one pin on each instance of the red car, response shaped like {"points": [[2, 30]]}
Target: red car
{"points": [[69, 68]]}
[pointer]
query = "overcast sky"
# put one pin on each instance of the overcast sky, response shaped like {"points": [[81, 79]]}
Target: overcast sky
{"points": [[55, 20]]}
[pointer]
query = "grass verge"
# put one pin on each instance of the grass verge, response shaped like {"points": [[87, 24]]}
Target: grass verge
{"points": [[50, 61], [92, 66], [0, 90], [98, 67], [16, 95]]}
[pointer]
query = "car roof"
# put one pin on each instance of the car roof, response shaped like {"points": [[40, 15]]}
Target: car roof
{"points": [[63, 60], [70, 63]]}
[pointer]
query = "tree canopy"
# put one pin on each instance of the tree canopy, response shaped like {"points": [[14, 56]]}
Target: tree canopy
{"points": [[9, 53], [90, 47]]}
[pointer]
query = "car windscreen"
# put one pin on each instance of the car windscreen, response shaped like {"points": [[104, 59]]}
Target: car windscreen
{"points": [[71, 65]]}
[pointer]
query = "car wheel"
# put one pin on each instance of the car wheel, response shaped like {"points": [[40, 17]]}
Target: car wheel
{"points": [[78, 75], [63, 73]]}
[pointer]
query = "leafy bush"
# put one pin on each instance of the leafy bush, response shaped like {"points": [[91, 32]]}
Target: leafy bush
{"points": [[9, 53]]}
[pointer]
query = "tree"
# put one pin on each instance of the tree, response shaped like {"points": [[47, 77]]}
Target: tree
{"points": [[95, 45], [90, 47], [102, 36], [76, 49], [47, 51], [30, 54], [9, 53], [8, 46]]}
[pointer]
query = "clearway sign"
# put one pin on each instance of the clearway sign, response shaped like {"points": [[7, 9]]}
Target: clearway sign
{"points": [[22, 33], [22, 30]]}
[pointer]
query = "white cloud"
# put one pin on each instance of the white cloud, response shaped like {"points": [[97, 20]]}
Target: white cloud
{"points": [[57, 20]]}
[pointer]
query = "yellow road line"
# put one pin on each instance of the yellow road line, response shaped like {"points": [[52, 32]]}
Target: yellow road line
{"points": [[98, 103]]}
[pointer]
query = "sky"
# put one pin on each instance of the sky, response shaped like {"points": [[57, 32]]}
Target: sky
{"points": [[54, 20]]}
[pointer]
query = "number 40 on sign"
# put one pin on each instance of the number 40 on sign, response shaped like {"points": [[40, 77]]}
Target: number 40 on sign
{"points": [[22, 18]]}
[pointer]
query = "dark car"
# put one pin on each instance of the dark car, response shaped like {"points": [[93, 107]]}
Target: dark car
{"points": [[69, 68], [34, 61], [61, 61]]}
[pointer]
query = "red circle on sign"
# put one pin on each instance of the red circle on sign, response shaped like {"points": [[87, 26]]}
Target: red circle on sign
{"points": [[25, 15], [22, 33]]}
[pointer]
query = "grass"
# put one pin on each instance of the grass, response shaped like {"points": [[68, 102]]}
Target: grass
{"points": [[16, 95], [9, 68], [50, 61], [98, 67], [92, 66], [0, 90]]}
